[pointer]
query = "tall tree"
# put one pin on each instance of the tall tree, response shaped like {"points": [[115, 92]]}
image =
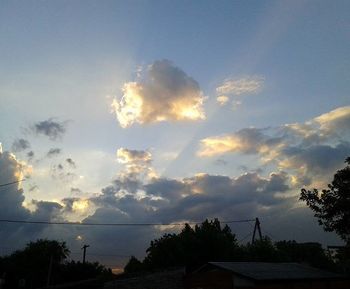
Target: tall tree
{"points": [[33, 262], [332, 206], [192, 246]]}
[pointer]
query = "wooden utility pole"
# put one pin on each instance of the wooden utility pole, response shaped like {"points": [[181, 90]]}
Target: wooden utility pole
{"points": [[84, 252], [49, 272], [257, 227]]}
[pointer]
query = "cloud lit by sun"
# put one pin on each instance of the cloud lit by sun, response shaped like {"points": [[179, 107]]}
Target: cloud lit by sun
{"points": [[166, 94]]}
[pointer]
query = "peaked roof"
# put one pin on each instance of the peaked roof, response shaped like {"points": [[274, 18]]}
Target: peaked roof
{"points": [[275, 271]]}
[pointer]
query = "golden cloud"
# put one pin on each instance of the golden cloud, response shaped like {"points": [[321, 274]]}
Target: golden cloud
{"points": [[219, 145], [166, 94], [336, 119]]}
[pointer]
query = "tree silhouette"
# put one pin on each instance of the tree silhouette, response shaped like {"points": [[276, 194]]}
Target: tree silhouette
{"points": [[134, 265], [191, 247], [33, 262], [332, 206], [207, 242]]}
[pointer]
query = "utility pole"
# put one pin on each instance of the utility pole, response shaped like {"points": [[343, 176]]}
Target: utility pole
{"points": [[49, 272], [257, 227], [84, 252]]}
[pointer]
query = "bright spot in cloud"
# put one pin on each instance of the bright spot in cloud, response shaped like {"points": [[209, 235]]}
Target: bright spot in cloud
{"points": [[222, 99], [80, 205], [218, 145]]}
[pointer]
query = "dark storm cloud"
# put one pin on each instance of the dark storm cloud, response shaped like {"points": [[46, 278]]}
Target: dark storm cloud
{"points": [[71, 163], [61, 172], [51, 128], [53, 152], [46, 211], [30, 155], [12, 208], [75, 190], [20, 145], [11, 197], [318, 158], [167, 188]]}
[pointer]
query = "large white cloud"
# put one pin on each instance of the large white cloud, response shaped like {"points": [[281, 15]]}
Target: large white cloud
{"points": [[166, 93]]}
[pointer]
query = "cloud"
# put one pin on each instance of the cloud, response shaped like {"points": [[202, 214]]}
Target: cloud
{"points": [[166, 93], [310, 149], [337, 120], [222, 99], [236, 87], [247, 141], [239, 86], [11, 196], [53, 152], [318, 159], [136, 162], [59, 172], [75, 190], [30, 155], [133, 198], [20, 145], [71, 163], [52, 129], [46, 211], [328, 128]]}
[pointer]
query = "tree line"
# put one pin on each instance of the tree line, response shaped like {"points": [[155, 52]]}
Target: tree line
{"points": [[193, 247], [45, 262]]}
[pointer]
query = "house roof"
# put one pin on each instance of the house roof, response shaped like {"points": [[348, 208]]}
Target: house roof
{"points": [[275, 271]]}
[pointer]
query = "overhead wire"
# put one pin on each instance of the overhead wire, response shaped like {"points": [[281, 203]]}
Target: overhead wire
{"points": [[12, 183], [115, 224]]}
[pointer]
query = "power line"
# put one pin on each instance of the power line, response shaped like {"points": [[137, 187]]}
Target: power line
{"points": [[12, 183], [103, 255], [115, 224]]}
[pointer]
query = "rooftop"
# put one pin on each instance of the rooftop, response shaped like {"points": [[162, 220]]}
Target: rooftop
{"points": [[275, 271]]}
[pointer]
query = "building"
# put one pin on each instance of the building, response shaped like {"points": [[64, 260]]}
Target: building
{"points": [[259, 275]]}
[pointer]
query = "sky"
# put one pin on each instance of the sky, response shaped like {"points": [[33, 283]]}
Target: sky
{"points": [[169, 112]]}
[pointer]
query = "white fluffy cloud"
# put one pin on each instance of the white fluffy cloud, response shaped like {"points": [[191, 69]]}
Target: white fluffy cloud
{"points": [[165, 93]]}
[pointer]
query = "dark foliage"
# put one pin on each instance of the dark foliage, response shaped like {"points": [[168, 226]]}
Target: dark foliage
{"points": [[193, 247], [134, 265], [75, 271], [332, 207], [29, 268], [310, 253]]}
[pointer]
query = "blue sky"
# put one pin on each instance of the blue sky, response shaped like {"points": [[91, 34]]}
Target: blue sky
{"points": [[279, 68]]}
